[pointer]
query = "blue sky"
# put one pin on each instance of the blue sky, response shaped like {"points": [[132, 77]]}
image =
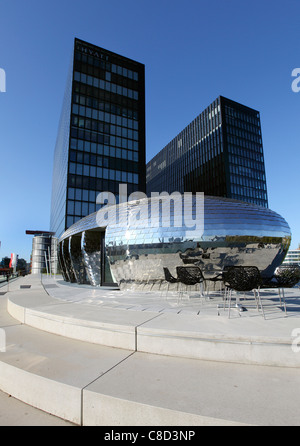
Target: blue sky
{"points": [[193, 52]]}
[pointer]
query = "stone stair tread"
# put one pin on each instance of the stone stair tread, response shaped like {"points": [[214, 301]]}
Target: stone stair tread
{"points": [[93, 384], [158, 390]]}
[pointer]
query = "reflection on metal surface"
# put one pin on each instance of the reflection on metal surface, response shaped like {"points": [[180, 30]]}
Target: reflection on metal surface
{"points": [[67, 261], [90, 245], [54, 255], [62, 263], [41, 244], [77, 259], [235, 233]]}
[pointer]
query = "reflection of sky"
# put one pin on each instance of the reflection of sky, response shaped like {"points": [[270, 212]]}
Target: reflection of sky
{"points": [[222, 218], [129, 223]]}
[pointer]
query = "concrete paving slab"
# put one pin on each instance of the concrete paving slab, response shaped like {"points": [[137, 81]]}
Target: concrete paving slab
{"points": [[106, 326], [204, 334], [33, 280], [96, 385], [49, 371], [251, 340], [214, 327], [5, 318], [16, 413], [21, 300], [156, 390]]}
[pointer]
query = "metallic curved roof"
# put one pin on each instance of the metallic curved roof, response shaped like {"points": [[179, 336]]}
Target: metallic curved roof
{"points": [[222, 217]]}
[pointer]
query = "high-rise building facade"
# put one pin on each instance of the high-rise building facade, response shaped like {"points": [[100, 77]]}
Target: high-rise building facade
{"points": [[220, 153], [101, 137]]}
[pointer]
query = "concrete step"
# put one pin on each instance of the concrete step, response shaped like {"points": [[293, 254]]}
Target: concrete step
{"points": [[48, 371], [159, 390], [247, 340], [92, 384], [14, 412]]}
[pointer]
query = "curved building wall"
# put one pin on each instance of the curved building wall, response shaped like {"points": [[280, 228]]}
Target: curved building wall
{"points": [[67, 261], [91, 251], [61, 262], [54, 255], [233, 233], [77, 259], [41, 245]]}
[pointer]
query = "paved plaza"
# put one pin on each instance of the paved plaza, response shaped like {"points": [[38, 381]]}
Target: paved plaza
{"points": [[101, 356]]}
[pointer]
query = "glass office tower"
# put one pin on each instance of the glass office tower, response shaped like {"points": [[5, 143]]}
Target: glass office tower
{"points": [[101, 137], [220, 153]]}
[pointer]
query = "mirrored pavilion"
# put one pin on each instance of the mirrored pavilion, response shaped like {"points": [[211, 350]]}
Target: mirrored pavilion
{"points": [[132, 251]]}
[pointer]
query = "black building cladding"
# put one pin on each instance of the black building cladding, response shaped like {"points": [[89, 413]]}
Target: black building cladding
{"points": [[219, 153], [101, 138]]}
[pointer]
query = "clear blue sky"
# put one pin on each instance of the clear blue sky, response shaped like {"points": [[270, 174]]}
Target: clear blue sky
{"points": [[193, 52]]}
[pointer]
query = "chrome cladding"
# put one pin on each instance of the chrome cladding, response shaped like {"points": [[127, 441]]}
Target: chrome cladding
{"points": [[142, 239]]}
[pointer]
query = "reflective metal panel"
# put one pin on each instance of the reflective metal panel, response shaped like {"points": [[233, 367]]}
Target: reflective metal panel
{"points": [[62, 263], [90, 245], [77, 259], [67, 261], [54, 255], [41, 244], [234, 233]]}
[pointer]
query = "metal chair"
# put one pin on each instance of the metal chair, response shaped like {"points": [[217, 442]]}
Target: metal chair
{"points": [[191, 275], [169, 278], [287, 277], [284, 277], [242, 279], [219, 278]]}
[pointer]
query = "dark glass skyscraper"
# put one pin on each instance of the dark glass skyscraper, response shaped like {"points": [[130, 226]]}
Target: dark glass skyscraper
{"points": [[101, 137], [220, 153]]}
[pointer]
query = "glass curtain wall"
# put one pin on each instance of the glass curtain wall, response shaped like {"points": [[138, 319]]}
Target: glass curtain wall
{"points": [[107, 140], [220, 153], [101, 138]]}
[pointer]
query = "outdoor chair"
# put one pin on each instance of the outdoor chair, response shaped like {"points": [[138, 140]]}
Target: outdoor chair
{"points": [[191, 275], [284, 277], [216, 279], [242, 279], [273, 283], [169, 278], [219, 278], [287, 277]]}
